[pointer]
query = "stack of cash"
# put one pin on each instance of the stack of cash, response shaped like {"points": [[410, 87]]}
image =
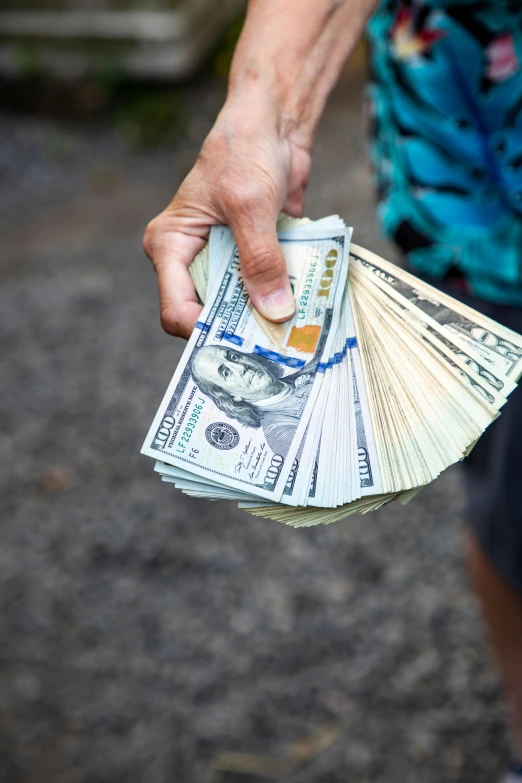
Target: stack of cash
{"points": [[377, 384]]}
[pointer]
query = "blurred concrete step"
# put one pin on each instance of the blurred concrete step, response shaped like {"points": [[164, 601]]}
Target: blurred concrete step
{"points": [[71, 43]]}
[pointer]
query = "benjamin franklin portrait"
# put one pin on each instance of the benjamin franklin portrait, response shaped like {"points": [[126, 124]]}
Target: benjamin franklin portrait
{"points": [[254, 391]]}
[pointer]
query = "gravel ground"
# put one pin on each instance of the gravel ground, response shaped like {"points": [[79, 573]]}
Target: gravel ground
{"points": [[144, 636]]}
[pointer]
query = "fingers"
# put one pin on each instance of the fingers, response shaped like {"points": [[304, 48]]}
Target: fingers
{"points": [[179, 308], [171, 253], [241, 182], [297, 182], [262, 264], [294, 205]]}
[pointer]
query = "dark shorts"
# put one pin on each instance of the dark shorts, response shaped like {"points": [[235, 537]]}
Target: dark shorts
{"points": [[493, 470]]}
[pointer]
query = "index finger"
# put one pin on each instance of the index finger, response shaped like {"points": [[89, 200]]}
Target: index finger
{"points": [[179, 306]]}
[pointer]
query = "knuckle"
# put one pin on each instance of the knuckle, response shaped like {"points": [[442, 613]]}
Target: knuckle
{"points": [[170, 323], [150, 237], [262, 263], [240, 199]]}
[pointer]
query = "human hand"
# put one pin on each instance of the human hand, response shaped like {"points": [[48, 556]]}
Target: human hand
{"points": [[247, 172]]}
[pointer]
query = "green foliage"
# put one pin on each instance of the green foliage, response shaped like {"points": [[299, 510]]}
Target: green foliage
{"points": [[148, 116], [28, 61]]}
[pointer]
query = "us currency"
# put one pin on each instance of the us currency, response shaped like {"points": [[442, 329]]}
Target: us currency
{"points": [[492, 388], [341, 464], [398, 384], [206, 264], [238, 404], [434, 416], [340, 468], [495, 346]]}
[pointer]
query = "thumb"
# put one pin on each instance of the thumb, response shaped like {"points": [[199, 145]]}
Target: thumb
{"points": [[263, 267]]}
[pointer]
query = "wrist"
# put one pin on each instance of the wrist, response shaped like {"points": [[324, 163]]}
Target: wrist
{"points": [[288, 58], [254, 104]]}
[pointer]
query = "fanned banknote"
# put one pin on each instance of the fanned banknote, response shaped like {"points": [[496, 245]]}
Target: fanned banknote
{"points": [[238, 405], [376, 385]]}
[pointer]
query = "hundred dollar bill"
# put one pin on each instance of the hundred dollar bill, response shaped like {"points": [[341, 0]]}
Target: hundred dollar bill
{"points": [[355, 470], [368, 464], [495, 347], [348, 406], [238, 405], [494, 389], [205, 266]]}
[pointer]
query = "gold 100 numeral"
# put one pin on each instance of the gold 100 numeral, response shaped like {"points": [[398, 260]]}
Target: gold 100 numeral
{"points": [[327, 276]]}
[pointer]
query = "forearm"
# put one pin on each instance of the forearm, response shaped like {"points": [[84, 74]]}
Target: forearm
{"points": [[289, 56], [256, 160]]}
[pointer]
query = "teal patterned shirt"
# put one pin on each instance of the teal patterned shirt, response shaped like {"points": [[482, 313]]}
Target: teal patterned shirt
{"points": [[446, 120]]}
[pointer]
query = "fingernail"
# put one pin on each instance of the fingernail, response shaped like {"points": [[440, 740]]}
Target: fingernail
{"points": [[279, 306]]}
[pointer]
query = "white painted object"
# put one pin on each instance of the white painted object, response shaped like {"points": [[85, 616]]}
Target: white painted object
{"points": [[149, 44]]}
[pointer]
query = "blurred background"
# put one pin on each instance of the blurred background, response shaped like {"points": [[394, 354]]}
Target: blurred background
{"points": [[145, 636]]}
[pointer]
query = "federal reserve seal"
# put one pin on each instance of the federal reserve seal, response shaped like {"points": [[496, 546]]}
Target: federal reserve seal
{"points": [[222, 436]]}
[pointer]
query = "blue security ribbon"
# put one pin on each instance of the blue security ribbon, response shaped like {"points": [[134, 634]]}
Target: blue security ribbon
{"points": [[233, 338], [288, 361]]}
